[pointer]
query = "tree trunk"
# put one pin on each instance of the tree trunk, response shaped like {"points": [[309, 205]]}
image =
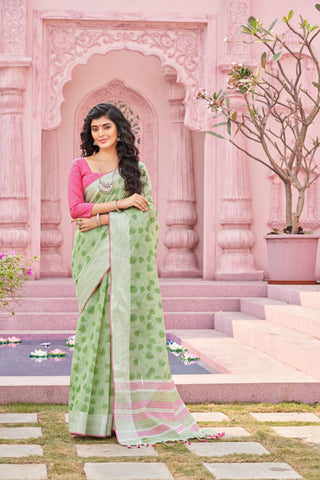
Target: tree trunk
{"points": [[297, 213], [288, 191]]}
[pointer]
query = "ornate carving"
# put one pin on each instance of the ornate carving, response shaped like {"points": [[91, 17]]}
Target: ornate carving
{"points": [[14, 27], [116, 91], [175, 44], [237, 13], [236, 239], [13, 78], [181, 239], [13, 195], [51, 237]]}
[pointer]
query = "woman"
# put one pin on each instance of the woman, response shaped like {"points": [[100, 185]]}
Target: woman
{"points": [[120, 378]]}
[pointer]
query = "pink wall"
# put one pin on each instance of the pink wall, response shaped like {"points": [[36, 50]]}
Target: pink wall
{"points": [[231, 197]]}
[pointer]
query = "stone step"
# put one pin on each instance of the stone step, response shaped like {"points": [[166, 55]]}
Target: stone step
{"points": [[244, 374], [51, 287], [182, 320], [257, 306], [224, 321], [247, 470], [305, 295], [302, 319], [199, 304], [68, 320], [247, 374], [297, 349], [39, 321], [297, 317], [170, 304], [206, 288], [184, 287], [45, 305], [16, 451], [37, 471]]}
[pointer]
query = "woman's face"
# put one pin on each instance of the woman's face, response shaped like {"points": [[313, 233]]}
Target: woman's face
{"points": [[104, 133]]}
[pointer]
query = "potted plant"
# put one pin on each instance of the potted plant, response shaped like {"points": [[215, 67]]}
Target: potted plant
{"points": [[277, 111]]}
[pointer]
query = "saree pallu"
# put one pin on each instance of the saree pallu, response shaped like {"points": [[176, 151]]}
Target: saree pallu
{"points": [[120, 377]]}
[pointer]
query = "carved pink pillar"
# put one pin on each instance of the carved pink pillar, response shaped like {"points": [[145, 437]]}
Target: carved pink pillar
{"points": [[14, 216], [181, 239], [51, 236], [13, 195], [235, 237]]}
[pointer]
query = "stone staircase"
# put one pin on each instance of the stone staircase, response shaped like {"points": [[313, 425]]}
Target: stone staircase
{"points": [[50, 304], [263, 341], [287, 332]]}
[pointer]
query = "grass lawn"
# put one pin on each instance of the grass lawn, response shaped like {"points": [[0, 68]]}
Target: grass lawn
{"points": [[64, 464]]}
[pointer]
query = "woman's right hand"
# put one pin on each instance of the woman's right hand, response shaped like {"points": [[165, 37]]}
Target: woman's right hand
{"points": [[134, 200]]}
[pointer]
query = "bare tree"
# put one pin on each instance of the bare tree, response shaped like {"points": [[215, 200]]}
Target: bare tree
{"points": [[278, 109]]}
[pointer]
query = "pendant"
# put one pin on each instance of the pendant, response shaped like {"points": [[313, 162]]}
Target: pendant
{"points": [[105, 187]]}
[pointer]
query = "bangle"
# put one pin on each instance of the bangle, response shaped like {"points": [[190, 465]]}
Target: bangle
{"points": [[98, 219], [116, 207]]}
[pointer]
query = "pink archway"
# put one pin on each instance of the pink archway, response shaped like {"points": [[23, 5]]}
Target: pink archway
{"points": [[144, 121]]}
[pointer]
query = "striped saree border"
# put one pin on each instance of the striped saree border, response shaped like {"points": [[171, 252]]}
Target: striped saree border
{"points": [[153, 412]]}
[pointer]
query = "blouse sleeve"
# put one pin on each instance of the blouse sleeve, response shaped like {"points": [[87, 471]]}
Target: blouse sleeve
{"points": [[77, 206]]}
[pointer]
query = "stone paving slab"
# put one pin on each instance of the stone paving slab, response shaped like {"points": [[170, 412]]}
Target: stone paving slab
{"points": [[18, 418], [20, 433], [230, 432], [247, 471], [112, 450], [308, 433], [127, 471], [226, 448], [286, 417], [209, 417], [14, 451], [23, 472]]}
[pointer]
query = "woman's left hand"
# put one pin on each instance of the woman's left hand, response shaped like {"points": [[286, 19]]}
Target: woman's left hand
{"points": [[85, 224]]}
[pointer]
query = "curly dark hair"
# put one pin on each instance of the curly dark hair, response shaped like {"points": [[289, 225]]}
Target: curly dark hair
{"points": [[128, 153]]}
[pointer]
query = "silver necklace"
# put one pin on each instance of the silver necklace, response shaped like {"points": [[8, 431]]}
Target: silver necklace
{"points": [[105, 187]]}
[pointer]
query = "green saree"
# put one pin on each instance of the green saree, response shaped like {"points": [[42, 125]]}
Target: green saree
{"points": [[120, 377]]}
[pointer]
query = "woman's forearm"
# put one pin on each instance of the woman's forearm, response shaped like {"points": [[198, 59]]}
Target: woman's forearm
{"points": [[104, 219], [102, 208]]}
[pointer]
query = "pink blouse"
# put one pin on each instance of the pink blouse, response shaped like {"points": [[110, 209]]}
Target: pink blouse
{"points": [[80, 177]]}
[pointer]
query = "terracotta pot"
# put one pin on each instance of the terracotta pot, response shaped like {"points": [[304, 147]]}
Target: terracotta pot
{"points": [[292, 258]]}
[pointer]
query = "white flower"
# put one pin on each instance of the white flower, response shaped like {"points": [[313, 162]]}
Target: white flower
{"points": [[39, 353], [57, 353], [189, 358], [182, 352], [71, 341], [14, 340], [175, 348]]}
